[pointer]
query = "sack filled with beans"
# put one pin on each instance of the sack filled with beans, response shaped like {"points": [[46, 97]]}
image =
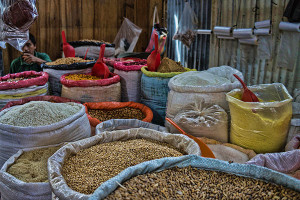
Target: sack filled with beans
{"points": [[101, 111], [78, 168], [88, 88], [195, 177]]}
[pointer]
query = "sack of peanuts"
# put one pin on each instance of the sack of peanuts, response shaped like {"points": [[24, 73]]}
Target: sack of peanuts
{"points": [[63, 66], [154, 91], [195, 177], [123, 124], [53, 99], [25, 176], [130, 73], [21, 85], [98, 112], [77, 169], [88, 88], [41, 123], [91, 48]]}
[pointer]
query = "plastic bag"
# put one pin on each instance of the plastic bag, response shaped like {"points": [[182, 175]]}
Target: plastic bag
{"points": [[264, 49], [187, 25], [17, 17], [161, 32], [293, 144], [127, 37]]}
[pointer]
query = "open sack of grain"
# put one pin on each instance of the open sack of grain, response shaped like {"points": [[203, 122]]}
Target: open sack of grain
{"points": [[79, 168], [41, 123], [88, 88], [21, 85], [25, 176], [93, 47], [195, 177], [63, 66], [154, 87], [130, 73], [209, 86]]}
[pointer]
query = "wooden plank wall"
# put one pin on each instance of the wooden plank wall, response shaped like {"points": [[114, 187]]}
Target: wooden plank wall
{"points": [[87, 19], [243, 14]]}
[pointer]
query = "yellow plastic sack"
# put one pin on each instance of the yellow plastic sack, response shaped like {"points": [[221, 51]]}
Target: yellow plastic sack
{"points": [[261, 126]]}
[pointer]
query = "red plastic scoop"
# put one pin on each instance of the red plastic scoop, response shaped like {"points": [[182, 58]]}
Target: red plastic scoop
{"points": [[100, 69], [86, 53], [248, 96], [205, 150], [153, 60], [69, 51]]}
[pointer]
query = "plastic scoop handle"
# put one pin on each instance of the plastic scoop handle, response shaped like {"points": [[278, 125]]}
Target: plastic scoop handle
{"points": [[205, 150], [86, 53], [248, 95]]}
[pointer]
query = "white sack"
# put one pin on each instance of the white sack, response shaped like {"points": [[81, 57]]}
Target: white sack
{"points": [[94, 52]]}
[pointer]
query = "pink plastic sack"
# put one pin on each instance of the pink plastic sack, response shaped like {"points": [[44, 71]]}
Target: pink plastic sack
{"points": [[130, 65], [293, 144]]}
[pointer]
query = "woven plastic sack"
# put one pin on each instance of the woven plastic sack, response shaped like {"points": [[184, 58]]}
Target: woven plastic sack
{"points": [[94, 49], [58, 184], [123, 124], [56, 71], [154, 92], [209, 86], [202, 120], [255, 172], [130, 73], [14, 188], [54, 99], [14, 138], [17, 94], [261, 126], [293, 144]]}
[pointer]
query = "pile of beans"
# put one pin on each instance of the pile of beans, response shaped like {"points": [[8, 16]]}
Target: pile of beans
{"points": [[80, 77], [68, 61], [31, 166], [85, 171], [120, 113], [193, 183], [18, 79]]}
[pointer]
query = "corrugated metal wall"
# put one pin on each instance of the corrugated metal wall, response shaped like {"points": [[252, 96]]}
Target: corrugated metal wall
{"points": [[197, 57]]}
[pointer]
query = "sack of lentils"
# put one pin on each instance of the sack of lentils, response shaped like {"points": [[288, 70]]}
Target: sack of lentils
{"points": [[63, 66], [25, 176], [88, 88], [195, 177], [101, 111], [154, 87], [81, 47], [77, 169], [130, 73], [41, 123], [24, 84], [53, 99]]}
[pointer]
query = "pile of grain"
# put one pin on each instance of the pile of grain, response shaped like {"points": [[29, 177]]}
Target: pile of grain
{"points": [[18, 79], [81, 77], [97, 41], [120, 113], [85, 171], [167, 65], [67, 61]]}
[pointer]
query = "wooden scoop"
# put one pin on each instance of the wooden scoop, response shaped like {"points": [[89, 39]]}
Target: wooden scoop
{"points": [[248, 95], [205, 150], [100, 69], [153, 60], [69, 51]]}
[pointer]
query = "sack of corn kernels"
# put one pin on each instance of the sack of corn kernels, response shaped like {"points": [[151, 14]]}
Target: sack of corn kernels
{"points": [[195, 177], [93, 47], [88, 88], [123, 124], [202, 120], [98, 112], [63, 66], [25, 176], [41, 123], [154, 92], [53, 99], [78, 168], [130, 73], [21, 85], [210, 86]]}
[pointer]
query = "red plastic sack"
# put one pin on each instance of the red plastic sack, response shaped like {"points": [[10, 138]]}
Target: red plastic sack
{"points": [[112, 61], [130, 65], [113, 78], [55, 99], [42, 79], [115, 105]]}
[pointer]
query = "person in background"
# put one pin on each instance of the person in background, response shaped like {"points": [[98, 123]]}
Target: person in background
{"points": [[30, 58]]}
